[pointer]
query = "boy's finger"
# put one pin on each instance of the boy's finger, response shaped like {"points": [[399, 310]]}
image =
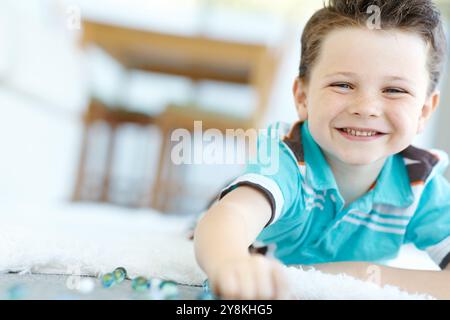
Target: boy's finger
{"points": [[227, 285], [263, 281], [247, 285]]}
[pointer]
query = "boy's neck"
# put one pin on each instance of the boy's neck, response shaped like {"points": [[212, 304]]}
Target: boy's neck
{"points": [[354, 181]]}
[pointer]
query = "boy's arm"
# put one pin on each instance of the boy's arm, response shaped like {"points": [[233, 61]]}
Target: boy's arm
{"points": [[222, 239], [230, 227], [435, 283]]}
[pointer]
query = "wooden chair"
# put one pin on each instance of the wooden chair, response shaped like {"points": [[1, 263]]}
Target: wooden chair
{"points": [[194, 57], [113, 118], [166, 186]]}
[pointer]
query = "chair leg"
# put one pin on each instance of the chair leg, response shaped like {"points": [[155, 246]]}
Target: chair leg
{"points": [[108, 166], [158, 188], [176, 192], [81, 164], [167, 192]]}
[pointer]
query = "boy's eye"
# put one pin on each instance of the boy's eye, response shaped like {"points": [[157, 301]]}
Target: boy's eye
{"points": [[394, 90], [342, 85]]}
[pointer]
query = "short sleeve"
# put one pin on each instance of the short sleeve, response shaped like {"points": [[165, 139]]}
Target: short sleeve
{"points": [[273, 171], [429, 228]]}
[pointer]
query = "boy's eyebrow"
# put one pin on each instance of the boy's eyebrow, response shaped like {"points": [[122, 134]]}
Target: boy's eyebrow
{"points": [[341, 73], [352, 74], [398, 78]]}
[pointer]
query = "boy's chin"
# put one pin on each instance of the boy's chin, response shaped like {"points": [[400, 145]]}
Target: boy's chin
{"points": [[359, 159]]}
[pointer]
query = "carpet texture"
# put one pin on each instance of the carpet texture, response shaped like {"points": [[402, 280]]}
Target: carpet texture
{"points": [[88, 239]]}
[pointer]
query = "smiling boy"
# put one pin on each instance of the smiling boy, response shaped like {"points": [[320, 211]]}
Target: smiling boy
{"points": [[350, 189]]}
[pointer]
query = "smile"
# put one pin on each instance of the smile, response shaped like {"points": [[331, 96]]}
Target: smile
{"points": [[359, 134]]}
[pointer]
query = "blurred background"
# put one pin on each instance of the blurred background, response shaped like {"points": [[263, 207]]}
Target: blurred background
{"points": [[91, 90]]}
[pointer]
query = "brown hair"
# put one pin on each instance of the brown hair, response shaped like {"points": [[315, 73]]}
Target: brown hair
{"points": [[418, 16]]}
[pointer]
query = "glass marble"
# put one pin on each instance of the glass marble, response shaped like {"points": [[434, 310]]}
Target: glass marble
{"points": [[169, 289], [206, 287], [107, 280], [119, 274], [140, 284], [206, 296], [16, 292]]}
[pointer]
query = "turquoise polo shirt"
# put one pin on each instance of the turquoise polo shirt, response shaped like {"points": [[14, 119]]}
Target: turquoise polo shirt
{"points": [[310, 223]]}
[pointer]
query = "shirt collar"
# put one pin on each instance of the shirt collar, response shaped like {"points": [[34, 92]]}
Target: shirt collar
{"points": [[318, 171], [392, 186]]}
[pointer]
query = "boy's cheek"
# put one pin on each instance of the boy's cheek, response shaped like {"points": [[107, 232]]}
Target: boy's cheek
{"points": [[401, 119], [403, 134], [323, 108]]}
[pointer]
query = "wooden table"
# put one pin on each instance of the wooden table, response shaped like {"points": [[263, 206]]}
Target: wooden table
{"points": [[194, 57]]}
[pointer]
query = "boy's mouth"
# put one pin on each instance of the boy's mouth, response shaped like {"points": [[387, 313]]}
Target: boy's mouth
{"points": [[360, 133]]}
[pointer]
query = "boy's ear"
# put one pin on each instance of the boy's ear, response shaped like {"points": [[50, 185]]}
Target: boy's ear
{"points": [[427, 110], [299, 90]]}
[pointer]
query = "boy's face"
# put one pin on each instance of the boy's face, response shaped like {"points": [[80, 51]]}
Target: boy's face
{"points": [[372, 80]]}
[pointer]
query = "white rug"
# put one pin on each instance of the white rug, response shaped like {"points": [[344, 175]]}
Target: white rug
{"points": [[93, 239]]}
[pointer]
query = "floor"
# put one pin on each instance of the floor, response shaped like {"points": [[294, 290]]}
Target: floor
{"points": [[58, 287]]}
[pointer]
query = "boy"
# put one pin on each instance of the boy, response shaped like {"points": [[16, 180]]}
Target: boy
{"points": [[350, 189]]}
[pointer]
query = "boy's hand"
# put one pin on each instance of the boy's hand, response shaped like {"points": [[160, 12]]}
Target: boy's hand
{"points": [[250, 277]]}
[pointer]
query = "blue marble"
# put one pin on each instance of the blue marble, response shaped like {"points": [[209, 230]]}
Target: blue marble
{"points": [[107, 280], [206, 286], [140, 284], [16, 292], [119, 274], [169, 290], [206, 296]]}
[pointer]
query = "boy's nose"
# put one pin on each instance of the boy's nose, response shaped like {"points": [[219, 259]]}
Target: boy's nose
{"points": [[365, 108]]}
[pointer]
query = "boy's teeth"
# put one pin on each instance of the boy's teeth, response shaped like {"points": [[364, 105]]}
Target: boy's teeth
{"points": [[359, 133]]}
